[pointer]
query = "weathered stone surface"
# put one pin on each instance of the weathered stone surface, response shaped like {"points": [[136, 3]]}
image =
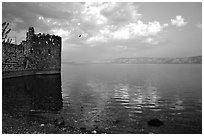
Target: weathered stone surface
{"points": [[37, 53]]}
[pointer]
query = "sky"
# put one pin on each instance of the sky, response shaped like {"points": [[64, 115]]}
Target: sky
{"points": [[100, 31]]}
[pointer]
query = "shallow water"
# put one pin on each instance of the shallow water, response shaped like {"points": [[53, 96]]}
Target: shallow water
{"points": [[113, 98], [122, 98]]}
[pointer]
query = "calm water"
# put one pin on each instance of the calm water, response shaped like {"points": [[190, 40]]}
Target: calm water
{"points": [[115, 98]]}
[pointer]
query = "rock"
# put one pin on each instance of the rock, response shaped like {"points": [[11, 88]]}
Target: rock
{"points": [[155, 123], [59, 122]]}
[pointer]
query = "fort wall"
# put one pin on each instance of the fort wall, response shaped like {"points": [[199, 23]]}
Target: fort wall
{"points": [[40, 53]]}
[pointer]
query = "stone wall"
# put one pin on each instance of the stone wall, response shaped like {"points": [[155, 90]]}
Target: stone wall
{"points": [[12, 57], [39, 52]]}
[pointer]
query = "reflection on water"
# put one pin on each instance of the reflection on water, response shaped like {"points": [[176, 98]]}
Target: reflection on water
{"points": [[107, 99], [26, 95], [115, 106], [113, 98]]}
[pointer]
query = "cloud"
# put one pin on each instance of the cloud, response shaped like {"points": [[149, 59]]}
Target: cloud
{"points": [[91, 13], [121, 13], [116, 26], [179, 21], [150, 40], [54, 18], [61, 33], [29, 12], [127, 32]]}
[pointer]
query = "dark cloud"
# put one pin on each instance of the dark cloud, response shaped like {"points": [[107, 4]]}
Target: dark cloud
{"points": [[28, 13]]}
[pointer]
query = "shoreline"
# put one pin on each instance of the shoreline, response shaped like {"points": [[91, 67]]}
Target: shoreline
{"points": [[39, 124], [14, 74]]}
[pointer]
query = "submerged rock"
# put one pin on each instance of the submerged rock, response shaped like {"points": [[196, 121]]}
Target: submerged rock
{"points": [[155, 123]]}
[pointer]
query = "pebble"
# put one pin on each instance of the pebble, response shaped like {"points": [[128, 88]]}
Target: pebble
{"points": [[42, 125], [94, 131]]}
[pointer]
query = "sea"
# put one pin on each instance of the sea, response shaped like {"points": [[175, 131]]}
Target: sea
{"points": [[114, 98]]}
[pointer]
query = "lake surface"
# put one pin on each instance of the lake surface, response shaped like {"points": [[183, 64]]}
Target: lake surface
{"points": [[115, 98]]}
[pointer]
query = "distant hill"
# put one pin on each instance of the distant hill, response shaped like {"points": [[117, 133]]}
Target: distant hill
{"points": [[141, 60], [148, 60]]}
